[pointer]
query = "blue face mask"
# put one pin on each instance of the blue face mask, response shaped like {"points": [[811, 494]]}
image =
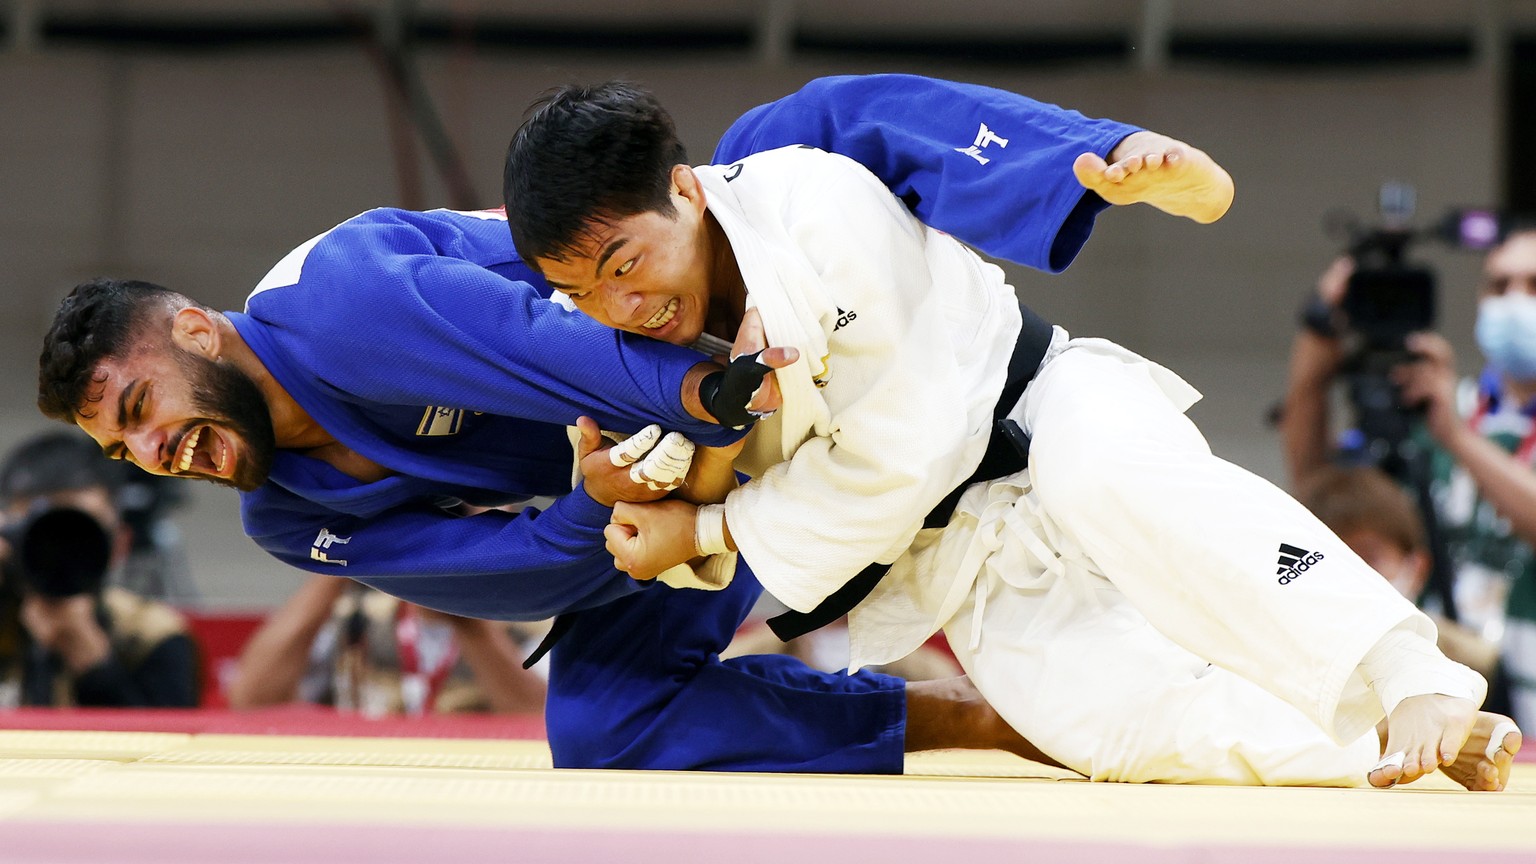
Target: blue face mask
{"points": [[1506, 332]]}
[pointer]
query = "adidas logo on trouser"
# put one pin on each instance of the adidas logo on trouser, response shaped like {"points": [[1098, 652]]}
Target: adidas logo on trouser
{"points": [[1294, 561]]}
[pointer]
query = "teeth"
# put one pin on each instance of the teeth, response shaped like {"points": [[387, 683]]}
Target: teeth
{"points": [[187, 448], [663, 316]]}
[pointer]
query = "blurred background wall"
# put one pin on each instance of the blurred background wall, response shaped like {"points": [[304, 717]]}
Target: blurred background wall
{"points": [[194, 142]]}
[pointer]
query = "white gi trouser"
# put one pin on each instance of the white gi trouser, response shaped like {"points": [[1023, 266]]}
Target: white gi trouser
{"points": [[1126, 560]]}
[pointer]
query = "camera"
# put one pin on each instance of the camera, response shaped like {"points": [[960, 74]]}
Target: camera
{"points": [[57, 552], [1388, 297]]}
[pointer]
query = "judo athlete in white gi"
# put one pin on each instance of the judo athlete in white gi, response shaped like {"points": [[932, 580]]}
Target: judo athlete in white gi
{"points": [[1135, 607]]}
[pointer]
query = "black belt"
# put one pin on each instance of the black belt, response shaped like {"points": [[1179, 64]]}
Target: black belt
{"points": [[1007, 453]]}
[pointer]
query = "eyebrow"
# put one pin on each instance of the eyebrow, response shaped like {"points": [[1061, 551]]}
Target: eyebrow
{"points": [[608, 253], [596, 269], [122, 417]]}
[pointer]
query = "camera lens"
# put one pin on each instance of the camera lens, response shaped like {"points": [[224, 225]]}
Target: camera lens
{"points": [[64, 552]]}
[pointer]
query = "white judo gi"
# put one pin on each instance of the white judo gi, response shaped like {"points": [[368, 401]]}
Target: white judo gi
{"points": [[1134, 606]]}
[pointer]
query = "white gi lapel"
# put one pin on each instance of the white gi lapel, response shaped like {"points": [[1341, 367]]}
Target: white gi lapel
{"points": [[785, 290]]}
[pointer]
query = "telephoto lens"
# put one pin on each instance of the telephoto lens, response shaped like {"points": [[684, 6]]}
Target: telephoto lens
{"points": [[60, 552]]}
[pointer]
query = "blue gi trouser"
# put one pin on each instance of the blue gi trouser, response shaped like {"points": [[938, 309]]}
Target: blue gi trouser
{"points": [[638, 683]]}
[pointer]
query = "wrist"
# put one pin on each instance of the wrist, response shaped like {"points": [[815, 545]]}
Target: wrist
{"points": [[709, 532], [692, 403], [1319, 318], [590, 505], [1450, 431]]}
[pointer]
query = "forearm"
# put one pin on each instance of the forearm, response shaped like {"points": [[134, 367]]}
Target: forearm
{"points": [[274, 660], [690, 393], [1305, 420], [496, 664], [1505, 482], [711, 478], [523, 566]]}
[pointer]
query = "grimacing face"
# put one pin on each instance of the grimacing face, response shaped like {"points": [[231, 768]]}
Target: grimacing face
{"points": [[179, 414], [647, 274]]}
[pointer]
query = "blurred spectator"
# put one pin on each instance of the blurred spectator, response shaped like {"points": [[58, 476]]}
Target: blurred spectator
{"points": [[1379, 521], [157, 561], [1479, 435], [339, 643], [65, 638]]}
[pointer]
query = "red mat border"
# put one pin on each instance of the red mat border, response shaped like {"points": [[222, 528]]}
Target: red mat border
{"points": [[285, 720]]}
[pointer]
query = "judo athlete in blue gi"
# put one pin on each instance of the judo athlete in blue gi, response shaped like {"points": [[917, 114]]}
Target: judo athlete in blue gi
{"points": [[402, 364]]}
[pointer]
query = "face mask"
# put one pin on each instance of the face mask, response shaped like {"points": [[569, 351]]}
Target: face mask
{"points": [[1506, 332]]}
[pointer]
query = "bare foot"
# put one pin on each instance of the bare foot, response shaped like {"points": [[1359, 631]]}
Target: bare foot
{"points": [[1423, 733], [1483, 764], [1154, 169], [952, 713]]}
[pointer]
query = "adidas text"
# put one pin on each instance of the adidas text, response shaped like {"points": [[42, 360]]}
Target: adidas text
{"points": [[1293, 562]]}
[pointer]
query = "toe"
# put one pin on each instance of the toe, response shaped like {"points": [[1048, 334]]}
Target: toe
{"points": [[1388, 770]]}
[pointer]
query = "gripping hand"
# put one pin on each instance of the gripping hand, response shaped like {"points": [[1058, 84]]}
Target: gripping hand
{"points": [[727, 394]]}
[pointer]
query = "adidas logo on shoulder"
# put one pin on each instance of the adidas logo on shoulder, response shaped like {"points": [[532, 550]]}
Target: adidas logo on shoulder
{"points": [[1293, 562]]}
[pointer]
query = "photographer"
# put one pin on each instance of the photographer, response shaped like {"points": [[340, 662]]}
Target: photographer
{"points": [[65, 639], [1470, 443]]}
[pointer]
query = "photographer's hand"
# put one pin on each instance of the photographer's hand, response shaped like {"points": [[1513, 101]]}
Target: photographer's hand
{"points": [[1429, 383], [67, 626], [1335, 281]]}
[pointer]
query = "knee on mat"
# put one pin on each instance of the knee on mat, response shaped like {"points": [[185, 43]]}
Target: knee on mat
{"points": [[582, 739]]}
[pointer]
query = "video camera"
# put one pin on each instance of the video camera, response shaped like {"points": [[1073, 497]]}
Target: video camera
{"points": [[1388, 297], [57, 552]]}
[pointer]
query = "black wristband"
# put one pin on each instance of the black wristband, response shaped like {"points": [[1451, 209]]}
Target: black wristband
{"points": [[1319, 318], [725, 394]]}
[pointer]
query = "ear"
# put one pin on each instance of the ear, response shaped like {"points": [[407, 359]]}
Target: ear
{"points": [[685, 185], [193, 329]]}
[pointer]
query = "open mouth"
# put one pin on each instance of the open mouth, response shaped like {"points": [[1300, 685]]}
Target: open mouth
{"points": [[663, 316], [202, 451]]}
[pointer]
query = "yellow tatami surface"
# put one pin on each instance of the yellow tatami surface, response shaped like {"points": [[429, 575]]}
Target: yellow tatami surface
{"points": [[69, 784]]}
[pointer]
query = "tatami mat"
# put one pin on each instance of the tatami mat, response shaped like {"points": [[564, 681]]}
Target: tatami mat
{"points": [[174, 797]]}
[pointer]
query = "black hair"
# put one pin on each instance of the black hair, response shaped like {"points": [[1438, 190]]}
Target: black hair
{"points": [[60, 461], [97, 321], [583, 156], [1517, 226]]}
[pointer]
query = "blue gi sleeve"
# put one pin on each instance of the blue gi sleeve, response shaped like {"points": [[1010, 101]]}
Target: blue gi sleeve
{"points": [[506, 566], [429, 328], [990, 167]]}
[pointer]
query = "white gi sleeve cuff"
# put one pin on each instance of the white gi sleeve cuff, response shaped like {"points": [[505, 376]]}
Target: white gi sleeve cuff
{"points": [[713, 574], [1404, 663]]}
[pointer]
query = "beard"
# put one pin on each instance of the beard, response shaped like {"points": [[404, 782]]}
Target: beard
{"points": [[227, 397]]}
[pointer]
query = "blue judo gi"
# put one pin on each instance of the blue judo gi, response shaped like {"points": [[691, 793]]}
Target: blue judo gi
{"points": [[424, 343]]}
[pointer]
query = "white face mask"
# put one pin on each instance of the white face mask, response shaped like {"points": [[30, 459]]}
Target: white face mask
{"points": [[1506, 333]]}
